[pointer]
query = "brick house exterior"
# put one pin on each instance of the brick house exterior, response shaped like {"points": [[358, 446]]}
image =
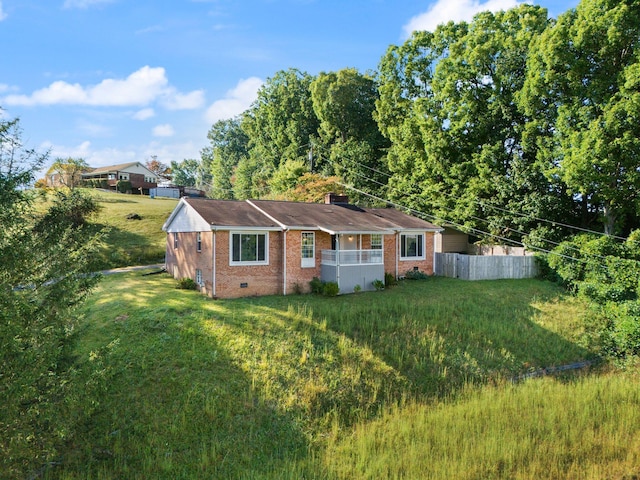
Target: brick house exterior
{"points": [[262, 247]]}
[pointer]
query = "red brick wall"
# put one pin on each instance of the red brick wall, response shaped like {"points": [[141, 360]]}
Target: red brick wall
{"points": [[183, 261], [298, 277], [259, 279], [426, 265]]}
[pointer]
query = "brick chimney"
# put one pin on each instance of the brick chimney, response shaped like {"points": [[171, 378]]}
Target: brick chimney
{"points": [[331, 198]]}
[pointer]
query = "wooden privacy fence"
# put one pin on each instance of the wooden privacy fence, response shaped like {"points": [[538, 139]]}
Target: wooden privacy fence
{"points": [[481, 267]]}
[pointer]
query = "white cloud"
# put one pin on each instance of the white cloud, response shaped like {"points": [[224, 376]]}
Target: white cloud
{"points": [[79, 151], [139, 89], [84, 3], [236, 100], [2, 14], [444, 11], [164, 130], [144, 114], [184, 101], [114, 156]]}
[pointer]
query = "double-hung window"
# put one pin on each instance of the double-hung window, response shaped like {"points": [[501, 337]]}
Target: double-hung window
{"points": [[412, 246], [249, 248], [199, 277], [376, 241], [308, 252], [199, 241], [175, 239]]}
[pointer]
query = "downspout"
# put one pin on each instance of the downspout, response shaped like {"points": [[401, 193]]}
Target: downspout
{"points": [[397, 252], [213, 259], [338, 260], [433, 245], [284, 260]]}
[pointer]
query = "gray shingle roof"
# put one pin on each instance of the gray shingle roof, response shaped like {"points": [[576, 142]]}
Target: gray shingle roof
{"points": [[333, 218]]}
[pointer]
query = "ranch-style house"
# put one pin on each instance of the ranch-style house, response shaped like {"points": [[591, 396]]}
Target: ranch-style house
{"points": [[265, 247]]}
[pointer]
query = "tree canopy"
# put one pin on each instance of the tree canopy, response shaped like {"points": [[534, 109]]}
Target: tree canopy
{"points": [[43, 278]]}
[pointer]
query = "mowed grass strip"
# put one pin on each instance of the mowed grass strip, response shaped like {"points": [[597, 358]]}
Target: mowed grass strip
{"points": [[270, 387]]}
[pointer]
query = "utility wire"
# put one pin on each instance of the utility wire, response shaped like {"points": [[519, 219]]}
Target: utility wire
{"points": [[552, 222]]}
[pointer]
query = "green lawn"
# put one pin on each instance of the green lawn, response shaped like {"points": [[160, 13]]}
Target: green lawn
{"points": [[130, 242], [391, 384]]}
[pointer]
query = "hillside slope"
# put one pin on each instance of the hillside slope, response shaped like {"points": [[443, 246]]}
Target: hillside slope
{"points": [[138, 241], [271, 387]]}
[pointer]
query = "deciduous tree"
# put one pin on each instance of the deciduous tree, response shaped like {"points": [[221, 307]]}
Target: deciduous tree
{"points": [[69, 171], [582, 94]]}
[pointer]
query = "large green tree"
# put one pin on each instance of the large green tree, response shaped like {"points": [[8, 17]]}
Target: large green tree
{"points": [[582, 95], [448, 103], [349, 136], [228, 146], [43, 278], [185, 173], [279, 125]]}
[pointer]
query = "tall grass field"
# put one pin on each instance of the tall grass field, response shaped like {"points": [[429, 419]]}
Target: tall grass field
{"points": [[411, 382]]}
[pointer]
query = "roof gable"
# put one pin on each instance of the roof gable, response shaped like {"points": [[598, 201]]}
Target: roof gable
{"points": [[184, 218]]}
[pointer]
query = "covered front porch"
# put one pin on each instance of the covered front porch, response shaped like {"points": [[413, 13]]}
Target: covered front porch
{"points": [[349, 265]]}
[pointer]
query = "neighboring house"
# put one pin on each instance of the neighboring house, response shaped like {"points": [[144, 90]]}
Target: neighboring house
{"points": [[264, 247], [141, 178]]}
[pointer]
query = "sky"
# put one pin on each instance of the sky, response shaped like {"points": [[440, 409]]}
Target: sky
{"points": [[118, 81]]}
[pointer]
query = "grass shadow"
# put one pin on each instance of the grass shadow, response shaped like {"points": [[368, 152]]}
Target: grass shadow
{"points": [[441, 334], [179, 404]]}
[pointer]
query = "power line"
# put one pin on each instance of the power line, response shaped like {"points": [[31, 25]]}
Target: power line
{"points": [[404, 207], [531, 217]]}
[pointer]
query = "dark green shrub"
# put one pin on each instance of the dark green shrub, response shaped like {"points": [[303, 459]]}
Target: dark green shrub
{"points": [[187, 284], [316, 286], [390, 279], [415, 275], [124, 186], [378, 285], [330, 289]]}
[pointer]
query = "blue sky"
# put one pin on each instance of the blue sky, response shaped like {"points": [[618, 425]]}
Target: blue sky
{"points": [[114, 81]]}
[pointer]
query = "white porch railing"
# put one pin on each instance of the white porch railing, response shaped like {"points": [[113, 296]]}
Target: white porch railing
{"points": [[352, 257]]}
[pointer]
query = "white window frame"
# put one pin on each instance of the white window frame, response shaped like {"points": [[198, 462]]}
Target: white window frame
{"points": [[307, 262], [377, 246], [198, 241], [403, 246], [234, 263], [175, 240], [199, 277]]}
